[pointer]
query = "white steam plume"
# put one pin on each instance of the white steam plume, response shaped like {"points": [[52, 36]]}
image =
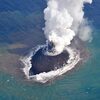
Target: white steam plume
{"points": [[63, 20]]}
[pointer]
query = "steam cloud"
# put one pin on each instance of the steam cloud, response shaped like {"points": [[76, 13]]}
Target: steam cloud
{"points": [[64, 19]]}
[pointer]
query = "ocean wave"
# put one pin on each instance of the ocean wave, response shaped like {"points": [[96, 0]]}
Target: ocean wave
{"points": [[74, 58]]}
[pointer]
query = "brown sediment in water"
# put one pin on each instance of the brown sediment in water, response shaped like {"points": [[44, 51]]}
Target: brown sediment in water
{"points": [[10, 62], [81, 47]]}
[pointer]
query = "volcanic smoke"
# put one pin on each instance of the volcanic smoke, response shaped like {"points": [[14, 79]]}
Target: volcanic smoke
{"points": [[64, 21]]}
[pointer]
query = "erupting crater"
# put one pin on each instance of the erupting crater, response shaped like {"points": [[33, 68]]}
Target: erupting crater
{"points": [[42, 62]]}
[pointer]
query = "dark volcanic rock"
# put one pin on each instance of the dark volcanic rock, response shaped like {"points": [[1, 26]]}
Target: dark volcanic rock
{"points": [[45, 63]]}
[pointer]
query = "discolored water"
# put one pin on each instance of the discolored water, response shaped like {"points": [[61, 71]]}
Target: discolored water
{"points": [[20, 29]]}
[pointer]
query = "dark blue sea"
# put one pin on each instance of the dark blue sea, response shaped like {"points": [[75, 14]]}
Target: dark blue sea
{"points": [[21, 23]]}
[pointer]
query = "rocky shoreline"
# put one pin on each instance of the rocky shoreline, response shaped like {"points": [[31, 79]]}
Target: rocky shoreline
{"points": [[45, 63]]}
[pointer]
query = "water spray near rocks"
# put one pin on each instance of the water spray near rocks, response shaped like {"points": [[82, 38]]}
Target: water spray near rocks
{"points": [[64, 21]]}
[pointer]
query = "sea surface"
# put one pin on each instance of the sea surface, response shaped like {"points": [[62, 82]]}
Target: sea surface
{"points": [[21, 23]]}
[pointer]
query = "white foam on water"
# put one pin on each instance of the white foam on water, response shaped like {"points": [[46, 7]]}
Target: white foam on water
{"points": [[74, 58]]}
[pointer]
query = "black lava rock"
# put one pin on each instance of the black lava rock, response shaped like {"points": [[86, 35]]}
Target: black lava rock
{"points": [[44, 63]]}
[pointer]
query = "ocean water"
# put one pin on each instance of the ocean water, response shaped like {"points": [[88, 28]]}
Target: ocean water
{"points": [[20, 29]]}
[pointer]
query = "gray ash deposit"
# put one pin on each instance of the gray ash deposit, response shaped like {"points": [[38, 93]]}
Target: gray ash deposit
{"points": [[62, 26], [45, 63]]}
